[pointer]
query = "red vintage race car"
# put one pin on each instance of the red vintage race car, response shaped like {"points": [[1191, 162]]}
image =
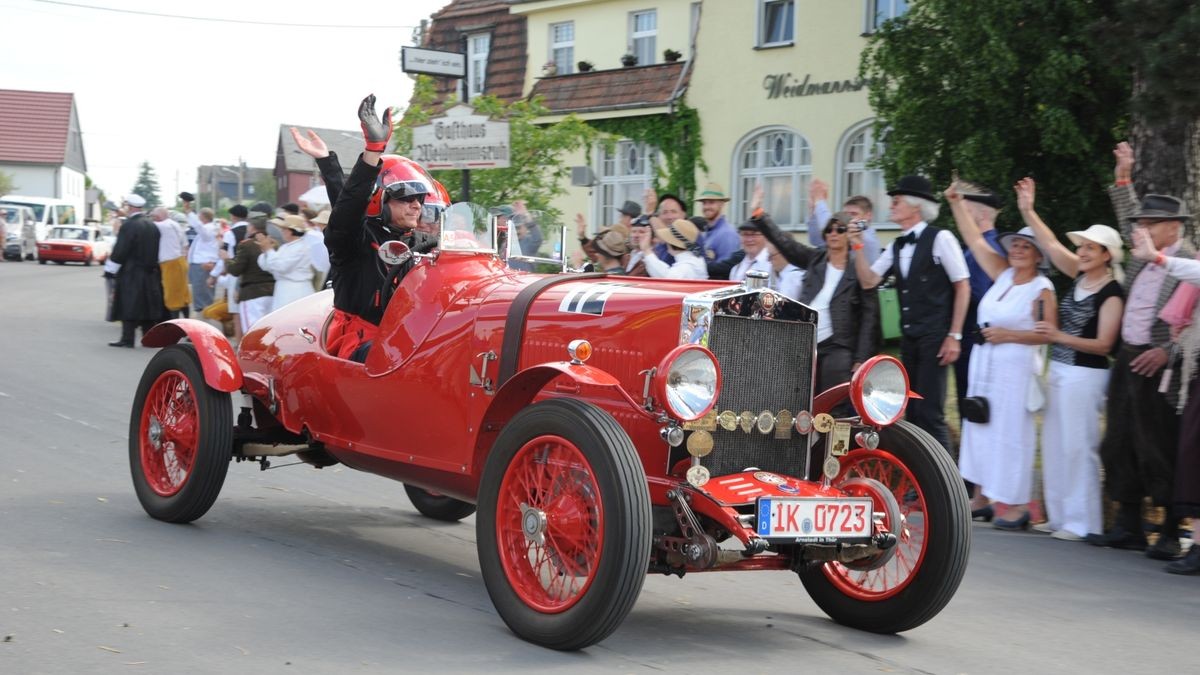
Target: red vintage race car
{"points": [[604, 427]]}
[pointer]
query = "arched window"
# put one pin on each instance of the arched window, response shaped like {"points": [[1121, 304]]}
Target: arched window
{"points": [[782, 160], [624, 172], [857, 174]]}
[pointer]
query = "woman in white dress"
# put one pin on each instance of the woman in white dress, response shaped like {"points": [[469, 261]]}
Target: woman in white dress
{"points": [[997, 456], [291, 263]]}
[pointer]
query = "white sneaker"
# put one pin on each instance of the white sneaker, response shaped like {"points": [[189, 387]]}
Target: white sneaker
{"points": [[1066, 535], [1044, 528]]}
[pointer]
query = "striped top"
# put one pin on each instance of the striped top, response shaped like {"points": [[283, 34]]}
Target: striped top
{"points": [[1081, 318]]}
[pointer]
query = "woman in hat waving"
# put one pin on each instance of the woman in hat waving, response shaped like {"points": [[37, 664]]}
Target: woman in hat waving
{"points": [[1089, 320]]}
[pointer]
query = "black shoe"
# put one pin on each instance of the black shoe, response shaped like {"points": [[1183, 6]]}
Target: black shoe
{"points": [[1190, 565], [121, 343], [984, 514], [1119, 537], [1166, 548]]}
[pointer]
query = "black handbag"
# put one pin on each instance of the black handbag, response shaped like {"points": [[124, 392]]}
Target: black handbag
{"points": [[975, 409]]}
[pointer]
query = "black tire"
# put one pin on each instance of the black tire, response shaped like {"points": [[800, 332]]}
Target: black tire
{"points": [[175, 372], [88, 262], [605, 459], [936, 509], [60, 262], [41, 261], [438, 507]]}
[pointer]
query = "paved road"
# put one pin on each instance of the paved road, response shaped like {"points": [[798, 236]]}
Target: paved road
{"points": [[298, 570]]}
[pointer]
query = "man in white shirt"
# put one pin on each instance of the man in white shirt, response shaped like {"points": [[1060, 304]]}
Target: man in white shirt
{"points": [[785, 277], [757, 257], [931, 277], [680, 237], [202, 254], [318, 253]]}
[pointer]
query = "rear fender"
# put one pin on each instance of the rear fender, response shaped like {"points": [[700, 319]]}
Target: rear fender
{"points": [[520, 390], [217, 358]]}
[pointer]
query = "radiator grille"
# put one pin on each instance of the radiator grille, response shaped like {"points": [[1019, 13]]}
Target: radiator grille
{"points": [[767, 365]]}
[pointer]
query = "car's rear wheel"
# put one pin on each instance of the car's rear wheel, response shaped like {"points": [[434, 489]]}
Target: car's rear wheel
{"points": [[88, 262], [934, 537], [436, 506], [41, 261], [60, 262], [180, 437], [564, 524]]}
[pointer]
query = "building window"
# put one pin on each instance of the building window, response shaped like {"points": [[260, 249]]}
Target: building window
{"points": [[477, 59], [562, 47], [643, 33], [777, 22], [879, 11], [625, 171], [66, 215], [857, 173], [781, 160]]}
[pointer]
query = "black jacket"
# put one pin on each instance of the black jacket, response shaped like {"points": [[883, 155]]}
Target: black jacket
{"points": [[363, 284], [138, 295], [854, 311]]}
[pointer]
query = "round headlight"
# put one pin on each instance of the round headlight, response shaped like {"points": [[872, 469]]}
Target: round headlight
{"points": [[687, 382], [879, 390]]}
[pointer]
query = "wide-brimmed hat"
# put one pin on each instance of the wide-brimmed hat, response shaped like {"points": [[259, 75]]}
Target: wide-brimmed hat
{"points": [[1162, 207], [322, 218], [1006, 239], [631, 209], [712, 191], [916, 186], [296, 224], [1103, 235], [680, 234], [612, 241]]}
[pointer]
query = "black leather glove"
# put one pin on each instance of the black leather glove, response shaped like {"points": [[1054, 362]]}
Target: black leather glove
{"points": [[376, 131]]}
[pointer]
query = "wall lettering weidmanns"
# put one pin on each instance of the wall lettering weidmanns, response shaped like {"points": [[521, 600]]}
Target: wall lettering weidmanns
{"points": [[787, 86]]}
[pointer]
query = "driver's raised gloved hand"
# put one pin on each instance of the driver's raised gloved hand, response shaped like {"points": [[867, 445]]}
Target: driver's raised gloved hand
{"points": [[376, 130]]}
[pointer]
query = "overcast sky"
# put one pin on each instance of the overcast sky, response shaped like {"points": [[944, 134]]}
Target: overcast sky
{"points": [[181, 92]]}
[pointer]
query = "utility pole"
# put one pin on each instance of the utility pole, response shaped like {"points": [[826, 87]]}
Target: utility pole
{"points": [[241, 180]]}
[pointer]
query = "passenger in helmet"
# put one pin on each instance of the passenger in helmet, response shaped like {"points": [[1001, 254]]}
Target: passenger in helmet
{"points": [[382, 200]]}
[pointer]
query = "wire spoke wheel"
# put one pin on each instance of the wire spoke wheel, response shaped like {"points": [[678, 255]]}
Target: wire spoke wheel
{"points": [[168, 433]]}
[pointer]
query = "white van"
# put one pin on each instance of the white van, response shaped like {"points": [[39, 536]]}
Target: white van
{"points": [[47, 211]]}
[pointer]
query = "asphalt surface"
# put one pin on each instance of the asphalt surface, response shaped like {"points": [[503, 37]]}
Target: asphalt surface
{"points": [[298, 570]]}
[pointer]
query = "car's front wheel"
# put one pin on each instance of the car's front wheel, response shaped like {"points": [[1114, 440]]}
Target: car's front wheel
{"points": [[564, 524], [436, 506], [911, 583], [180, 437]]}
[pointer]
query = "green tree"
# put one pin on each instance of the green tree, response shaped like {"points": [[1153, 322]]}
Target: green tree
{"points": [[265, 189], [1155, 43], [1001, 90], [146, 185], [536, 151], [6, 183]]}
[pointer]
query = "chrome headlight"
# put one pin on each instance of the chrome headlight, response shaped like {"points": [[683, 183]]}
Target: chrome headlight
{"points": [[687, 382], [879, 390]]}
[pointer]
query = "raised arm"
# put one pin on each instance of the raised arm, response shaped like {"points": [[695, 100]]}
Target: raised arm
{"points": [[990, 261], [1124, 199], [1062, 257]]}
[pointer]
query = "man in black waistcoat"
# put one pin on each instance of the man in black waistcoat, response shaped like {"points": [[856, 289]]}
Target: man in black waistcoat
{"points": [[931, 277], [138, 296]]}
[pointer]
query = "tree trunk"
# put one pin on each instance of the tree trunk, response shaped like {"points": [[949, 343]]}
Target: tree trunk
{"points": [[1166, 149]]}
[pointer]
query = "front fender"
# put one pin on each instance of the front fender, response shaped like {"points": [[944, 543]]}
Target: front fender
{"points": [[217, 358], [520, 390]]}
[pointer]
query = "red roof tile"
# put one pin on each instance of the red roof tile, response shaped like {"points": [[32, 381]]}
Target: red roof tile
{"points": [[505, 77], [623, 88], [34, 126]]}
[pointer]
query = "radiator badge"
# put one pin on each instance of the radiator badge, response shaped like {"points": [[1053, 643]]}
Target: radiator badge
{"points": [[706, 423], [783, 424], [769, 478], [823, 423], [728, 420], [699, 443], [804, 422], [746, 419], [832, 467], [697, 475], [765, 422]]}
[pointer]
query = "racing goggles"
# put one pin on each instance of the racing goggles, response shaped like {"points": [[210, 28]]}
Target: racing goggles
{"points": [[405, 191]]}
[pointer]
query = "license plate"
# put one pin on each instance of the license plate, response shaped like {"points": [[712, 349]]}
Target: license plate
{"points": [[814, 519]]}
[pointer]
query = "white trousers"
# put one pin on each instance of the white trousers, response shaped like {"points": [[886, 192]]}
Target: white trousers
{"points": [[1070, 447], [253, 310]]}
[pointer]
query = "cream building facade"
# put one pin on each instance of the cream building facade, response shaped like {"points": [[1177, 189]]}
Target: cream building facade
{"points": [[775, 84]]}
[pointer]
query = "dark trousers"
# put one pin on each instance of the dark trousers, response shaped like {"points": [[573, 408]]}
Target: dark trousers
{"points": [[1187, 462], [1142, 435], [129, 328], [927, 378], [833, 368]]}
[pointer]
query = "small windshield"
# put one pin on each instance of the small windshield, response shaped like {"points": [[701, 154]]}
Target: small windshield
{"points": [[466, 227], [38, 209], [535, 243], [77, 233]]}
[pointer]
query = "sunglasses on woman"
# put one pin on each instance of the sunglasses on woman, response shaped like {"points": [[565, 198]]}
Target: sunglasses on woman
{"points": [[840, 229]]}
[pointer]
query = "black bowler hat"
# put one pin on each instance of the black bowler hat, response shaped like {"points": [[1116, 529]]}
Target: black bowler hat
{"points": [[1162, 207], [631, 209], [917, 186], [974, 192], [187, 196]]}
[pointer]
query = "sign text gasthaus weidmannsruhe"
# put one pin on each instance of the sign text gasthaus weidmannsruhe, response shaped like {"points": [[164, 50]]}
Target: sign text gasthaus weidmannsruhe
{"points": [[433, 62], [461, 140], [786, 86]]}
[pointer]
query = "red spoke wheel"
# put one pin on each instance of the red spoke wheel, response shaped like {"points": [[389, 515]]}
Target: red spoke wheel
{"points": [[917, 578], [564, 524], [438, 506], [180, 437]]}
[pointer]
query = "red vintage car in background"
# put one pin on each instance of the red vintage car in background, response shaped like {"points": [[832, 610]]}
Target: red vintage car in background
{"points": [[605, 427], [73, 243]]}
